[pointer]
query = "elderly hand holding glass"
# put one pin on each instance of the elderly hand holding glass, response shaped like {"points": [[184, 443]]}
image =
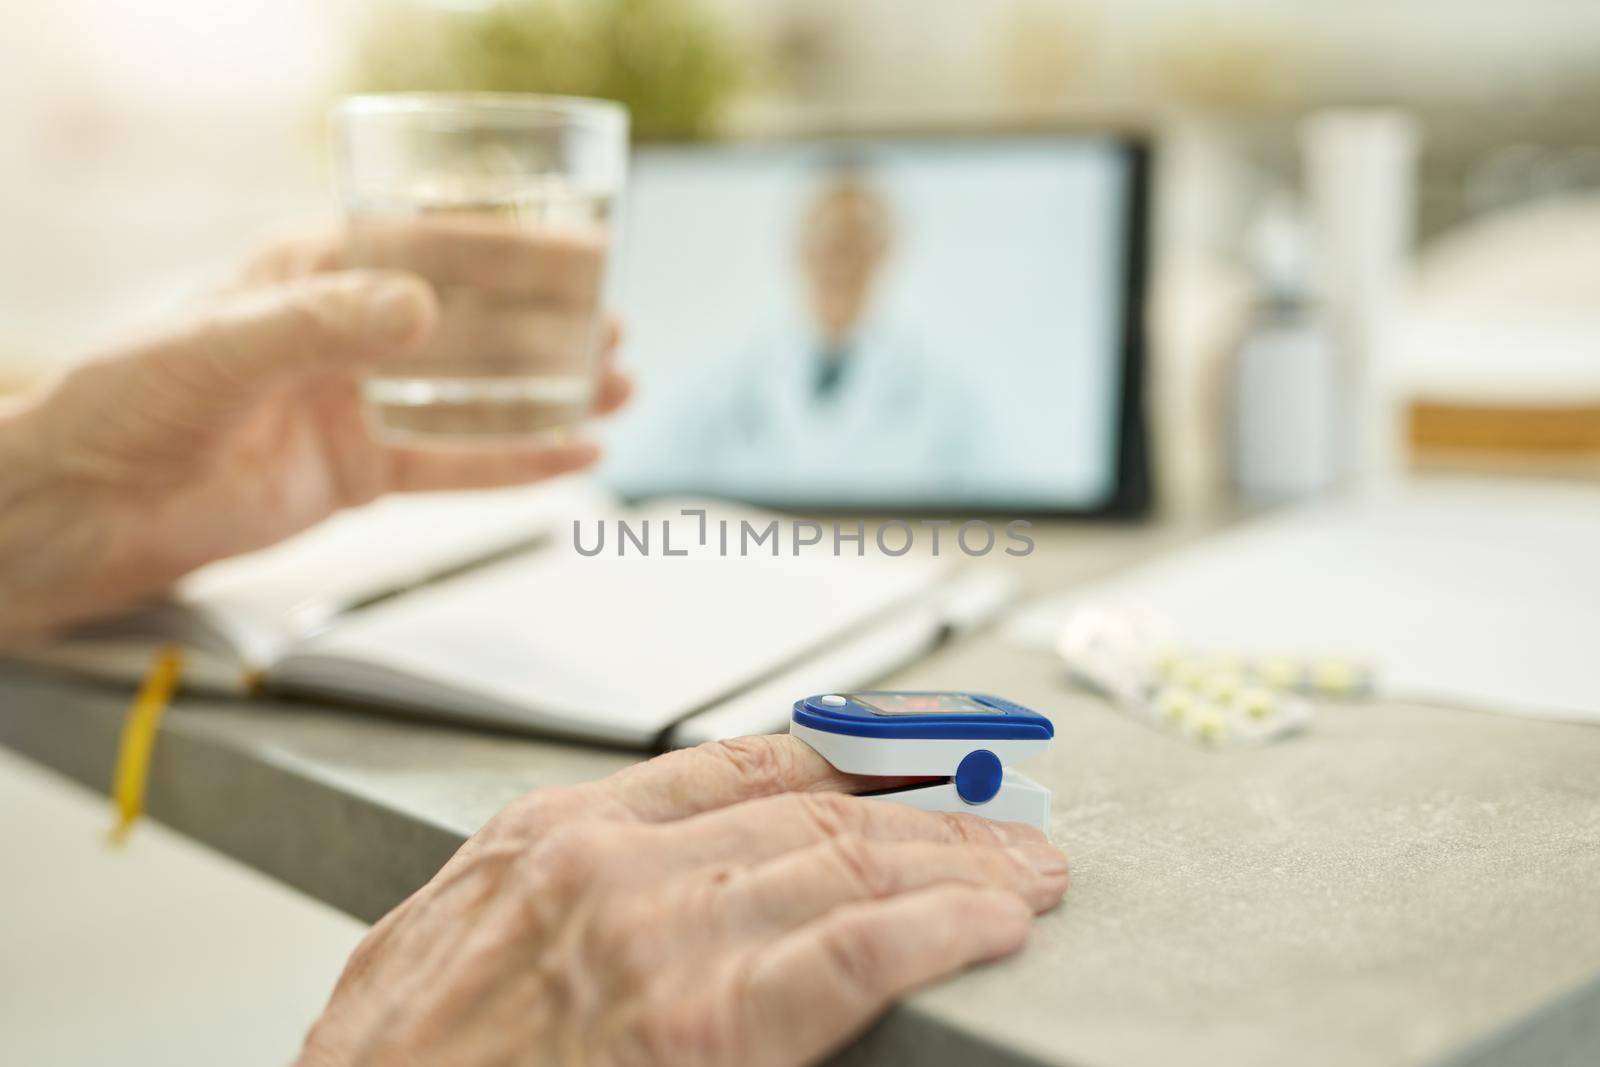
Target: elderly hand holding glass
{"points": [[243, 423]]}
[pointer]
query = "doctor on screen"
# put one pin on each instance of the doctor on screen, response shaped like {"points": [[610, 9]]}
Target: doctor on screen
{"points": [[837, 404]]}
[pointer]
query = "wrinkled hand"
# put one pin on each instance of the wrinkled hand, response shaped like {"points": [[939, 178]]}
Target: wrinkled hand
{"points": [[723, 905], [233, 430]]}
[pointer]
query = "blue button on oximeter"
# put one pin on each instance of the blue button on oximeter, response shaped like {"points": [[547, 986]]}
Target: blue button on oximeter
{"points": [[967, 739]]}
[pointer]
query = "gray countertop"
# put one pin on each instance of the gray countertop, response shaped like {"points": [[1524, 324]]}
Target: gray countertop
{"points": [[1403, 885]]}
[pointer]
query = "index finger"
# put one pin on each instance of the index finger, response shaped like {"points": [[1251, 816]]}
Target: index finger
{"points": [[720, 773]]}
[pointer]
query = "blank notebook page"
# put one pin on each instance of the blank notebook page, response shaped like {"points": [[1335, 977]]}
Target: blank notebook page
{"points": [[613, 647]]}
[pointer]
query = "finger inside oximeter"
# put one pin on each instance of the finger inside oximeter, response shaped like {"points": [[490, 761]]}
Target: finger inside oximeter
{"points": [[963, 742]]}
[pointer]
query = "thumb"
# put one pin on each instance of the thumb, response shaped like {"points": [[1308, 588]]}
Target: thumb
{"points": [[327, 322]]}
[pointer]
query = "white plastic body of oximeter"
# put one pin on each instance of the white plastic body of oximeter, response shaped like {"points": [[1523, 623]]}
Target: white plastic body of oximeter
{"points": [[969, 740]]}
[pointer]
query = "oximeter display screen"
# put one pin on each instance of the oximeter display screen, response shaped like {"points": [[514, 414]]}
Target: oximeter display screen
{"points": [[921, 704]]}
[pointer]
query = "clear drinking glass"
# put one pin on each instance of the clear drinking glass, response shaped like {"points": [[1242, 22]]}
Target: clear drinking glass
{"points": [[503, 202]]}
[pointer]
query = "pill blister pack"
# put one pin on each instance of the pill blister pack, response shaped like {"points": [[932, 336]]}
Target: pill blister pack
{"points": [[1207, 697]]}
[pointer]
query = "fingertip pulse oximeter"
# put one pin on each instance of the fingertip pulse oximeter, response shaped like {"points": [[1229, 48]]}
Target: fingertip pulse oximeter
{"points": [[968, 739]]}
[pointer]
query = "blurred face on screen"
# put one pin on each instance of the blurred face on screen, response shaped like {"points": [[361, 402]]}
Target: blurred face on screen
{"points": [[844, 241]]}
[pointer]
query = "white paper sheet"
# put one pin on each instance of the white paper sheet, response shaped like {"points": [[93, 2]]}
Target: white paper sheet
{"points": [[1477, 593]]}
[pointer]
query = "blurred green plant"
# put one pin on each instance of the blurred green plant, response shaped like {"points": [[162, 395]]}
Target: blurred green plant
{"points": [[672, 62]]}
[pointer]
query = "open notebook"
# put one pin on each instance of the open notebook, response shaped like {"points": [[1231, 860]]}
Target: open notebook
{"points": [[477, 606]]}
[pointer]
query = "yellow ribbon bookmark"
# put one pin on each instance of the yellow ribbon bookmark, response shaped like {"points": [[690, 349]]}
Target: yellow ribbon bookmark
{"points": [[139, 740]]}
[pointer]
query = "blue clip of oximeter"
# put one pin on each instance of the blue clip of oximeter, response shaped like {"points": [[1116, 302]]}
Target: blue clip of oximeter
{"points": [[967, 739]]}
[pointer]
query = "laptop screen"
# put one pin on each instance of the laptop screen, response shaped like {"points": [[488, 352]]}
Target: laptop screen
{"points": [[926, 325]]}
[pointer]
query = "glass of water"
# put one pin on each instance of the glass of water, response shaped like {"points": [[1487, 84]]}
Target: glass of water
{"points": [[503, 202]]}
